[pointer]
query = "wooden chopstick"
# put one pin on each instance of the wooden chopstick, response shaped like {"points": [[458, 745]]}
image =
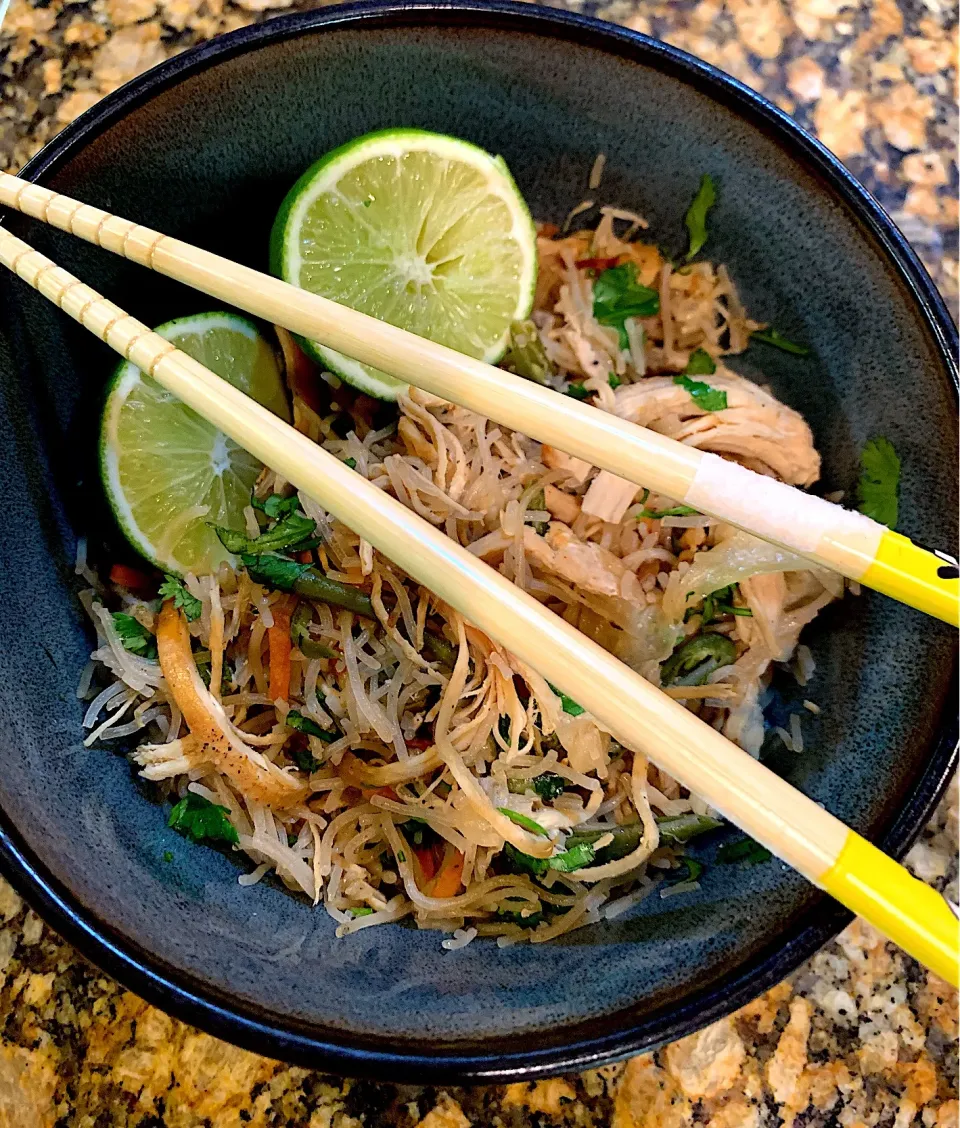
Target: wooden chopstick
{"points": [[793, 826], [833, 537], [827, 534]]}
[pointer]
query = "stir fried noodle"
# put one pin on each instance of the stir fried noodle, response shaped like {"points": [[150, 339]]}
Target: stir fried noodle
{"points": [[382, 756]]}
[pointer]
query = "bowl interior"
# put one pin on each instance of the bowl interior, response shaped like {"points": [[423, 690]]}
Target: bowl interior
{"points": [[208, 158]]}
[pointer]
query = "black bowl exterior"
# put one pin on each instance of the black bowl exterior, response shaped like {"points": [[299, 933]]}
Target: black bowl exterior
{"points": [[204, 148]]}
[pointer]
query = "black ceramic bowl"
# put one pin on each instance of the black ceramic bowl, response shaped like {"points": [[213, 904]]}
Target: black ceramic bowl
{"points": [[204, 147]]}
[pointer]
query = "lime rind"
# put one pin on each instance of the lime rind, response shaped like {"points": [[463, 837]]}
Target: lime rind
{"points": [[496, 190]]}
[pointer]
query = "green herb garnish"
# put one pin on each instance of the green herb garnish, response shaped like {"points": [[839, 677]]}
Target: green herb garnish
{"points": [[352, 463], [617, 296], [696, 218], [689, 869], [578, 391], [198, 819], [547, 786], [745, 851], [134, 636], [167, 855], [701, 363], [299, 723], [771, 336], [173, 588], [614, 381], [361, 912], [879, 481], [710, 399], [276, 506], [569, 705]]}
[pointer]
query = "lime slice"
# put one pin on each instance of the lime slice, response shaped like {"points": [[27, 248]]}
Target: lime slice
{"points": [[167, 471], [424, 231]]}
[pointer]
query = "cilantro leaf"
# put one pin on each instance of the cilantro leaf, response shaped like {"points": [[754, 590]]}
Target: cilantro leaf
{"points": [[745, 851], [299, 723], [696, 218], [547, 786], [197, 818], [879, 481], [617, 295], [173, 588], [710, 399], [289, 531], [701, 363], [276, 506], [569, 705], [274, 571], [771, 336], [134, 636]]}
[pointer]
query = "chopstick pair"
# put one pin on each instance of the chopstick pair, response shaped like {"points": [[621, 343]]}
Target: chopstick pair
{"points": [[642, 717], [846, 542]]}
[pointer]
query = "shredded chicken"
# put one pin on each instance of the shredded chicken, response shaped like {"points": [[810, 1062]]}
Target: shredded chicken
{"points": [[755, 429]]}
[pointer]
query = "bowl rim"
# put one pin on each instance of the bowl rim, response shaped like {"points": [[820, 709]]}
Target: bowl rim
{"points": [[593, 1042]]}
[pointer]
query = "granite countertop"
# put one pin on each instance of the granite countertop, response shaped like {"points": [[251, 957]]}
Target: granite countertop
{"points": [[861, 1036]]}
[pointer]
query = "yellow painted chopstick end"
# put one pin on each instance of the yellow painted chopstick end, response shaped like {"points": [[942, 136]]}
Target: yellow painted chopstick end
{"points": [[905, 910], [915, 576]]}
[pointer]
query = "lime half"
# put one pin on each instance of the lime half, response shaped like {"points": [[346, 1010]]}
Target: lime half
{"points": [[424, 231], [167, 471]]}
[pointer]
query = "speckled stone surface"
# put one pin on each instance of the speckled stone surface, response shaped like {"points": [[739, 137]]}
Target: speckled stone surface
{"points": [[861, 1036]]}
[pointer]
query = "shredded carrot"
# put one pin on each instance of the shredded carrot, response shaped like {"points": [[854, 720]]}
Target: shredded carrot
{"points": [[448, 880], [132, 579], [278, 639], [305, 557]]}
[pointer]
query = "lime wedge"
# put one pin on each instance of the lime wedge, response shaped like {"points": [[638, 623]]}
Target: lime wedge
{"points": [[424, 231], [167, 471]]}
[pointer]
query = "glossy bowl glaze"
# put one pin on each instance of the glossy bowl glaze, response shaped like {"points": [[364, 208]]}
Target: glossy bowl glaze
{"points": [[204, 147]]}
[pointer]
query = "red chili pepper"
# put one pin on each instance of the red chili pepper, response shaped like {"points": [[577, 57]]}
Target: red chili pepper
{"points": [[132, 579], [597, 263]]}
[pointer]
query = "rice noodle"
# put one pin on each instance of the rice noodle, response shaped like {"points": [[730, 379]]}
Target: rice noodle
{"points": [[441, 758]]}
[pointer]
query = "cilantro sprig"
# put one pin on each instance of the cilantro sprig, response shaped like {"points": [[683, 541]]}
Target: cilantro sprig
{"points": [[879, 481], [173, 588], [198, 819], [134, 636], [696, 218], [617, 296], [701, 363]]}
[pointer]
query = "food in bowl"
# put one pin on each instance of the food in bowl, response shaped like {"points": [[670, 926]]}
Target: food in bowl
{"points": [[301, 699]]}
